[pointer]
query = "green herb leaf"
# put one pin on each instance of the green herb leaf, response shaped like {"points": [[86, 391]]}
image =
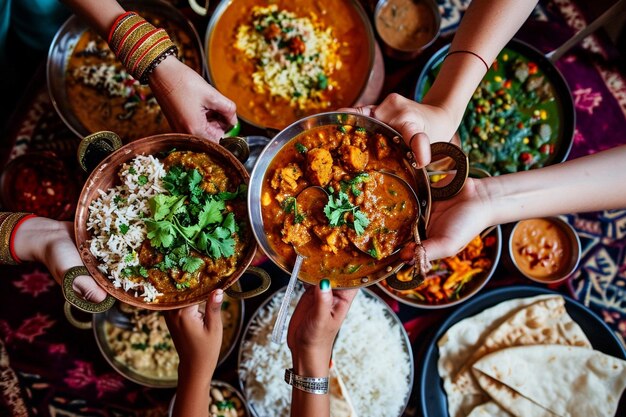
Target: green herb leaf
{"points": [[123, 228], [300, 148], [142, 180], [241, 192], [192, 264]]}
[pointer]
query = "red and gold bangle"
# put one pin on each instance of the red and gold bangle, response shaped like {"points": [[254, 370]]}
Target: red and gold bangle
{"points": [[9, 224], [124, 29], [139, 45], [132, 40], [117, 22], [142, 47]]}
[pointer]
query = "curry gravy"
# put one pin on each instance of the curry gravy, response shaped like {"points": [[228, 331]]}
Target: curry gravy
{"points": [[231, 70], [541, 249]]}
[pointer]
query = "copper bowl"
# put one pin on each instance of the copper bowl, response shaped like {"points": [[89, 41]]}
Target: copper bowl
{"points": [[104, 177]]}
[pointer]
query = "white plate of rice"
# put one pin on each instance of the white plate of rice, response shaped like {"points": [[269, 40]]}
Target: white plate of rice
{"points": [[372, 353]]}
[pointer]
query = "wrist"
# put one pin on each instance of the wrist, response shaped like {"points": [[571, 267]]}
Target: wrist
{"points": [[196, 374], [311, 364], [159, 81], [34, 237]]}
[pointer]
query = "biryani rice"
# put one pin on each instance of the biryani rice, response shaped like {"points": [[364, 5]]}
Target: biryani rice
{"points": [[123, 207]]}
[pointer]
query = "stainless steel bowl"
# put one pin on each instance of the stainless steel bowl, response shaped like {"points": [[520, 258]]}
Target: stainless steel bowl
{"points": [[261, 317], [66, 39], [423, 192], [113, 316]]}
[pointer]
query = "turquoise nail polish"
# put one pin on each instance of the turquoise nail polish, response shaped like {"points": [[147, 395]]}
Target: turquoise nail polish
{"points": [[325, 285]]}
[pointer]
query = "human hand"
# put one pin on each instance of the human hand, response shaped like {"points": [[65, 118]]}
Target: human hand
{"points": [[197, 334], [51, 243], [189, 102], [419, 124], [314, 326], [455, 222]]}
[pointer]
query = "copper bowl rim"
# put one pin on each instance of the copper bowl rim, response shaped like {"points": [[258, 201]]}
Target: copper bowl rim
{"points": [[108, 168]]}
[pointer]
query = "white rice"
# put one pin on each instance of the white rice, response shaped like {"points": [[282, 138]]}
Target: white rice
{"points": [[117, 250], [370, 355]]}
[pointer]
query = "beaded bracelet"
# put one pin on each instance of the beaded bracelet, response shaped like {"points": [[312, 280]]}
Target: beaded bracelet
{"points": [[139, 45], [9, 223]]}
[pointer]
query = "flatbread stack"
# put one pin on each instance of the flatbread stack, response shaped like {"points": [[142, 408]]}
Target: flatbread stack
{"points": [[527, 357]]}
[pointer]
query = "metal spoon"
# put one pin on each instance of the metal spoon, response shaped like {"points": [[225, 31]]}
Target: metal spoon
{"points": [[397, 189], [309, 199]]}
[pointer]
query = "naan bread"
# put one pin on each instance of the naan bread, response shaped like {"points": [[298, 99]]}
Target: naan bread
{"points": [[489, 409], [458, 344], [553, 380], [544, 322], [340, 404]]}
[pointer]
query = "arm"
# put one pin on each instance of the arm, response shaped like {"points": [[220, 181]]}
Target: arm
{"points": [[485, 29], [51, 243], [190, 104], [197, 336], [312, 330], [589, 183]]}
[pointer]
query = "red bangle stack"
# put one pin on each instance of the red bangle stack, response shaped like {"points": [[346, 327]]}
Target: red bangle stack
{"points": [[139, 45]]}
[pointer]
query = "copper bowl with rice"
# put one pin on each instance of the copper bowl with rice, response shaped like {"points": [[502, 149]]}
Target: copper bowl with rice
{"points": [[127, 220]]}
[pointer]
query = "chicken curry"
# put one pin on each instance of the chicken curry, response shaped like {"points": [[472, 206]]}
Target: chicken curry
{"points": [[367, 216]]}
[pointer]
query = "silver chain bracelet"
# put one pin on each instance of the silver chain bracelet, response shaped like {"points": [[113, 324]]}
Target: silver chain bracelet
{"points": [[318, 385]]}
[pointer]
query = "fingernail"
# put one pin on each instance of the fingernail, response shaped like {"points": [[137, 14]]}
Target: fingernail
{"points": [[325, 285], [218, 296]]}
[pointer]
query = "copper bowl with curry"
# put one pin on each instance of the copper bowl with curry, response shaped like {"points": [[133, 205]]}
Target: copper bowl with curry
{"points": [[353, 233], [162, 221], [282, 60]]}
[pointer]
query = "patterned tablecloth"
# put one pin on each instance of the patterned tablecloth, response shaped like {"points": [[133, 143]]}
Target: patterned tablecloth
{"points": [[49, 368]]}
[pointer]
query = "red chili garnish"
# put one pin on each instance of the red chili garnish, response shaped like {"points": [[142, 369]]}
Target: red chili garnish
{"points": [[532, 68], [526, 158], [490, 240], [520, 125], [495, 65], [507, 84], [547, 148]]}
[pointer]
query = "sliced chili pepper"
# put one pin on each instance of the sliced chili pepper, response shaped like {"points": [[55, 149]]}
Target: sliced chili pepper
{"points": [[546, 149]]}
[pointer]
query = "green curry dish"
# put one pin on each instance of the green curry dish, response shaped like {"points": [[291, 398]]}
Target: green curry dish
{"points": [[190, 218], [512, 121], [338, 211]]}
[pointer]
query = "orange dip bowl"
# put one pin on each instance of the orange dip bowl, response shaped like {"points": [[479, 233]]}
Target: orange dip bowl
{"points": [[545, 250]]}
